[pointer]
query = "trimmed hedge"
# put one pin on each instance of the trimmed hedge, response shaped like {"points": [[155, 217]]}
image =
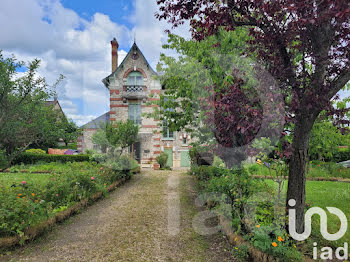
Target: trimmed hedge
{"points": [[32, 158]]}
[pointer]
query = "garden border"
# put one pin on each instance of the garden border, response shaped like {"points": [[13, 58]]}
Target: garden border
{"points": [[255, 254], [35, 231]]}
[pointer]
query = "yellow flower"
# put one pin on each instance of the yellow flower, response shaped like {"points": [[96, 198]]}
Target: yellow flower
{"points": [[274, 244], [294, 246], [36, 201], [259, 162], [33, 194], [236, 248], [280, 239], [235, 238]]}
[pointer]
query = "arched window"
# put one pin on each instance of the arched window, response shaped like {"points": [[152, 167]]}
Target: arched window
{"points": [[135, 79]]}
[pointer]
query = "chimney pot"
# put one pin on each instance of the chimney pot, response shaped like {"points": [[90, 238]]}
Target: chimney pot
{"points": [[115, 46]]}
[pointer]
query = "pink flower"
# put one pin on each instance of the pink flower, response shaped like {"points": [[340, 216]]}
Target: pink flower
{"points": [[56, 195], [92, 178], [23, 182], [101, 168]]}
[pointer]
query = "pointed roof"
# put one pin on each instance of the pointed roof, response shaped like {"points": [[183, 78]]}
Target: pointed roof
{"points": [[121, 66], [95, 124]]}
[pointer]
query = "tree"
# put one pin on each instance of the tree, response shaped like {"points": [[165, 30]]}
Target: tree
{"points": [[24, 119], [303, 44], [219, 104], [325, 140], [121, 134], [69, 130], [99, 138]]}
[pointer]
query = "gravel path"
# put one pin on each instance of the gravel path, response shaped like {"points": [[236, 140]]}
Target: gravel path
{"points": [[147, 219]]}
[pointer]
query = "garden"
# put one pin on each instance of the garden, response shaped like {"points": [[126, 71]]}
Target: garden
{"points": [[33, 195], [254, 207]]}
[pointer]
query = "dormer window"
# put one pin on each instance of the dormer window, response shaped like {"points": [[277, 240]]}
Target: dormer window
{"points": [[135, 79]]}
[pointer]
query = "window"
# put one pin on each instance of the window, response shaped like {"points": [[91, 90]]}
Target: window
{"points": [[167, 134], [135, 113], [135, 79], [184, 141]]}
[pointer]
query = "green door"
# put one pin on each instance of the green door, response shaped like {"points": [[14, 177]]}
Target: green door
{"points": [[185, 159], [169, 152]]}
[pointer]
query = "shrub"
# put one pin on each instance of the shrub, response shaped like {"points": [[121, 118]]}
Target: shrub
{"points": [[36, 151], [218, 162], [32, 158], [199, 156], [162, 159]]}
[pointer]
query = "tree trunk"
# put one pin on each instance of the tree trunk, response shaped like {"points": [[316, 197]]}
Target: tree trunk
{"points": [[297, 166]]}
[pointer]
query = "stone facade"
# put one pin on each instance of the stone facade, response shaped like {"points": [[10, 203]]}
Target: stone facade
{"points": [[123, 95]]}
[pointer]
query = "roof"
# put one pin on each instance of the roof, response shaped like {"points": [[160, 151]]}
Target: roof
{"points": [[54, 103], [95, 124], [51, 103], [134, 47]]}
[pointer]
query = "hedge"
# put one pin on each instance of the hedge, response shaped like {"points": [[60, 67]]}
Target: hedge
{"points": [[32, 158]]}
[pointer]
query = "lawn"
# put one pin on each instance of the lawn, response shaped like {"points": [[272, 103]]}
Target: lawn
{"points": [[8, 179], [327, 194], [315, 169]]}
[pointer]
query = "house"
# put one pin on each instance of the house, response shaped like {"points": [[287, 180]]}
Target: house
{"points": [[131, 85]]}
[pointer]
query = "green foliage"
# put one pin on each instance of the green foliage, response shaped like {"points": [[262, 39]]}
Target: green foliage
{"points": [[24, 117], [3, 159], [275, 241], [241, 252], [200, 64], [121, 134], [162, 159], [32, 158], [325, 140], [36, 151], [99, 138], [69, 131], [218, 162], [27, 204]]}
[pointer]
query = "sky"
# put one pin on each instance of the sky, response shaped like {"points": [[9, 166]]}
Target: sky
{"points": [[72, 37]]}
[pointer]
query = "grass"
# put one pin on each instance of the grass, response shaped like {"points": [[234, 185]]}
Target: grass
{"points": [[326, 194], [8, 179], [316, 169]]}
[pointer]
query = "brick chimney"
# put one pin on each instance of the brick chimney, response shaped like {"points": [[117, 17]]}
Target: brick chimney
{"points": [[115, 46]]}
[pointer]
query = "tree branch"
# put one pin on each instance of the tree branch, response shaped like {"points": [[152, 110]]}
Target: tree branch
{"points": [[338, 83]]}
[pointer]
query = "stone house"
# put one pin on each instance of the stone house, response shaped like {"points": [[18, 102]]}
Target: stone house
{"points": [[131, 85]]}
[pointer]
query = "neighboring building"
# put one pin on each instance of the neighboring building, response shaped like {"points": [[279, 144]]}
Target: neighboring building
{"points": [[57, 107], [130, 86]]}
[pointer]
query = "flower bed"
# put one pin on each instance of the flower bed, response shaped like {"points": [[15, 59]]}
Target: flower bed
{"points": [[25, 206]]}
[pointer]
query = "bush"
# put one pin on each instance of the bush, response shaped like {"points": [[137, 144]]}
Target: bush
{"points": [[200, 157], [32, 158], [218, 162], [162, 159], [36, 151]]}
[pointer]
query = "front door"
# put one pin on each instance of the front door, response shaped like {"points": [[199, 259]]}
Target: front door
{"points": [[184, 159], [169, 152], [136, 151]]}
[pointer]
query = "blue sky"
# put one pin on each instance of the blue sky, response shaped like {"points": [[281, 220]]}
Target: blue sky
{"points": [[72, 37]]}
